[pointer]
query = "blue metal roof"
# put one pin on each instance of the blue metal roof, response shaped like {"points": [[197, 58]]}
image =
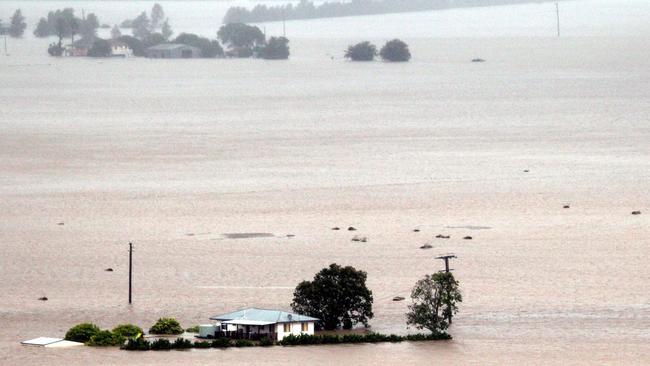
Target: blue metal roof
{"points": [[264, 315]]}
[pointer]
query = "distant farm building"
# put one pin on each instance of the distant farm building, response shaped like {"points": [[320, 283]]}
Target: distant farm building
{"points": [[79, 47], [173, 50]]}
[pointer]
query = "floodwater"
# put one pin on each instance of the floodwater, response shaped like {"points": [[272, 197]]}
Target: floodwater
{"points": [[172, 155]]}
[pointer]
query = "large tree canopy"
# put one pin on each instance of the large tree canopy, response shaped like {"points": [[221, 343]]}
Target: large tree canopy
{"points": [[435, 299], [240, 35], [337, 296]]}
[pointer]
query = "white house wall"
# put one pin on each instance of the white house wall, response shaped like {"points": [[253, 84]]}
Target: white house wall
{"points": [[296, 329]]}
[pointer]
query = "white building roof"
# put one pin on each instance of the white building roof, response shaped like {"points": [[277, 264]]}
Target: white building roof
{"points": [[261, 317], [50, 342]]}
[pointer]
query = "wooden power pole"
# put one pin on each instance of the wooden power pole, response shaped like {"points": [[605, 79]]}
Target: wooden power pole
{"points": [[446, 258], [130, 268]]}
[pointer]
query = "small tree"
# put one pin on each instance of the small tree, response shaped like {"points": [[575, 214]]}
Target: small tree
{"points": [[364, 51], [82, 332], [42, 28], [276, 49], [435, 299], [166, 29], [166, 326], [395, 51], [337, 295], [100, 48], [209, 48], [17, 24]]}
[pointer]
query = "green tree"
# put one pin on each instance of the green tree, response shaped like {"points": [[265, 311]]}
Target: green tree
{"points": [[88, 27], [435, 300], [364, 51], [141, 26], [17, 24], [157, 15], [337, 296], [395, 51], [209, 48], [166, 29], [42, 28], [276, 49], [166, 326], [82, 332], [240, 35]]}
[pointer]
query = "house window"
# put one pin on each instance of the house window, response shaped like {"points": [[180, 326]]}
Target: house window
{"points": [[287, 328], [304, 327]]}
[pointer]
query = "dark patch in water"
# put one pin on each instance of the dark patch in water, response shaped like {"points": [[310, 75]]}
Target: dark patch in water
{"points": [[247, 235]]}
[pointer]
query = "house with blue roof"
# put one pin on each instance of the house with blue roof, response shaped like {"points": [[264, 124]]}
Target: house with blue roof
{"points": [[253, 323]]}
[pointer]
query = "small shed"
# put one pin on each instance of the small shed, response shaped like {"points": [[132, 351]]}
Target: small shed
{"points": [[173, 50], [50, 342]]}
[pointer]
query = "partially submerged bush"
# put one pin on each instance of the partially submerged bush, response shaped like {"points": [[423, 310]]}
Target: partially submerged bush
{"points": [[194, 329], [104, 338], [221, 343], [128, 330], [364, 51], [266, 342], [305, 339], [244, 343], [166, 326], [82, 332], [202, 344], [395, 51], [161, 344], [182, 343], [139, 344]]}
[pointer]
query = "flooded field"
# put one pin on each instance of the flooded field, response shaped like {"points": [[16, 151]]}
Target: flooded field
{"points": [[228, 175]]}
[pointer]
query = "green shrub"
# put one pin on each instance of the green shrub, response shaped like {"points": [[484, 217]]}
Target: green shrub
{"points": [[266, 342], [161, 344], [182, 343], [244, 343], [128, 330], [82, 332], [194, 329], [166, 326], [139, 344], [202, 344], [221, 343], [104, 338], [330, 339]]}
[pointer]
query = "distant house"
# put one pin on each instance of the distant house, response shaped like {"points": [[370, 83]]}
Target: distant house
{"points": [[173, 50], [120, 49], [79, 47], [255, 323]]}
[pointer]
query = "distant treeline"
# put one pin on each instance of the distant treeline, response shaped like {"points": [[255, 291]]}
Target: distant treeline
{"points": [[307, 10]]}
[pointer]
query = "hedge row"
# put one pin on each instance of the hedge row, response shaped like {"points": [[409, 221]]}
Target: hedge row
{"points": [[162, 344], [142, 344], [305, 339]]}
